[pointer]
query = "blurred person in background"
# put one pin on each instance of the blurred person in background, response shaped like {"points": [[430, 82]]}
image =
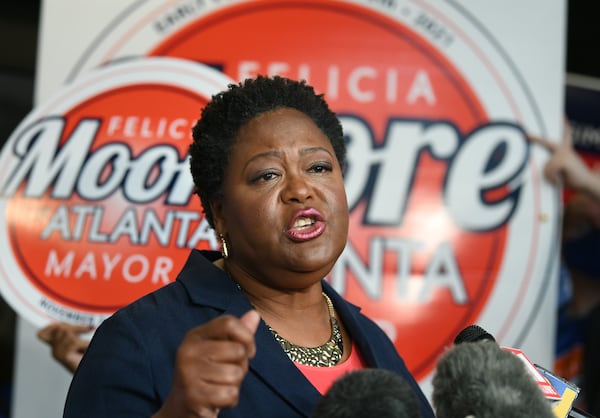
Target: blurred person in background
{"points": [[579, 305]]}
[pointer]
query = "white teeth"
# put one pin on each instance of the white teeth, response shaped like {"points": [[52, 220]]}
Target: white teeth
{"points": [[300, 222]]}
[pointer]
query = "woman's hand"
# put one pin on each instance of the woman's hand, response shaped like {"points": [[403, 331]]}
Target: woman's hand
{"points": [[66, 342], [210, 366]]}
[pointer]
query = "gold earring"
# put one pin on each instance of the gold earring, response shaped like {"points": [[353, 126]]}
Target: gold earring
{"points": [[224, 251]]}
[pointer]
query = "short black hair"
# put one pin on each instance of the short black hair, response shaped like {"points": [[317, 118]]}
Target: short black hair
{"points": [[222, 118], [369, 393]]}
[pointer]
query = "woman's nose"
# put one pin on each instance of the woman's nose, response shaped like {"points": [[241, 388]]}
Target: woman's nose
{"points": [[297, 188]]}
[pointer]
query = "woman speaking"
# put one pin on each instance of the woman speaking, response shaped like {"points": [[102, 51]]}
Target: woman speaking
{"points": [[253, 330]]}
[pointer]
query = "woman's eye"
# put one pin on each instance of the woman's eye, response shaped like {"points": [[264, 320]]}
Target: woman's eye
{"points": [[320, 168], [266, 176]]}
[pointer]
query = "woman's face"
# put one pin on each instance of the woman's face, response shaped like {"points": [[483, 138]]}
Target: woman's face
{"points": [[284, 207]]}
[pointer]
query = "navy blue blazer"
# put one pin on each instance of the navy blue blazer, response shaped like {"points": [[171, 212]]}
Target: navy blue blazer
{"points": [[128, 368]]}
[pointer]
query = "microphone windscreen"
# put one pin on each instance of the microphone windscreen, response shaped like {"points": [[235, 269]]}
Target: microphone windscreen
{"points": [[473, 333], [369, 392], [483, 380]]}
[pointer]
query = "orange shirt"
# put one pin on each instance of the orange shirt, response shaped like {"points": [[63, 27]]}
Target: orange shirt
{"points": [[323, 377]]}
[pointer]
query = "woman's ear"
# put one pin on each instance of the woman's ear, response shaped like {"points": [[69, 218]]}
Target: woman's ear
{"points": [[216, 208]]}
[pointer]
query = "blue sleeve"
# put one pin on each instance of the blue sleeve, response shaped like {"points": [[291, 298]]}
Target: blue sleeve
{"points": [[114, 378]]}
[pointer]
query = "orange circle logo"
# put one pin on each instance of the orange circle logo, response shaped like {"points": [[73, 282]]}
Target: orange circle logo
{"points": [[100, 207]]}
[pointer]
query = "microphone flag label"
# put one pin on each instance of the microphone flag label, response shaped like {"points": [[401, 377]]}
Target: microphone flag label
{"points": [[567, 390], [546, 387]]}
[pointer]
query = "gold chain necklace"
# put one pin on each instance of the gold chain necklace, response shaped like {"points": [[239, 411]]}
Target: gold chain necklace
{"points": [[326, 355]]}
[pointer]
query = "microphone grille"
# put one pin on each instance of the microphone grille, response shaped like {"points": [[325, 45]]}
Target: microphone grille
{"points": [[473, 333]]}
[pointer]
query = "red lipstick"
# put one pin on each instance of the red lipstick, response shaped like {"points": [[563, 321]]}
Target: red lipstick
{"points": [[305, 225]]}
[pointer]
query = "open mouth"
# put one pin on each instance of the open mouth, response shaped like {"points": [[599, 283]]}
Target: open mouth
{"points": [[303, 223], [306, 225]]}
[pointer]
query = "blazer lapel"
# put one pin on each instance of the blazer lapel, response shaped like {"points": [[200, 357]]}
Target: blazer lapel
{"points": [[349, 314], [277, 370], [209, 286]]}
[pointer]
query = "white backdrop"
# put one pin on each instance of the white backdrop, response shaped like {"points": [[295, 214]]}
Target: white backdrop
{"points": [[531, 34]]}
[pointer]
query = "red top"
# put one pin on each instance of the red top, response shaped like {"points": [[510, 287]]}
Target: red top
{"points": [[323, 377]]}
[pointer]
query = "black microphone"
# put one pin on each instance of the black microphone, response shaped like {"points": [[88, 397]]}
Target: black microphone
{"points": [[473, 333], [559, 393]]}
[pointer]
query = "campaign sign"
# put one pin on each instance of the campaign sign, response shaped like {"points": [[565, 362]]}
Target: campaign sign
{"points": [[451, 222], [96, 194]]}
